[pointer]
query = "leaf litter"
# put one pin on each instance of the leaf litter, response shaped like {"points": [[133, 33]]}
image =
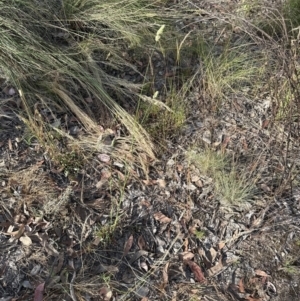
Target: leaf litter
{"points": [[189, 242]]}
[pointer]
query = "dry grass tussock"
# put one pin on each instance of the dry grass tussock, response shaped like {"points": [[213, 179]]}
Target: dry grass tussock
{"points": [[264, 61], [64, 52], [282, 40], [232, 187]]}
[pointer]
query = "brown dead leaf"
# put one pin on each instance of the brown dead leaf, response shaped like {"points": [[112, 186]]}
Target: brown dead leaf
{"points": [[199, 184], [165, 276], [145, 203], [193, 229], [179, 167], [184, 256], [241, 286], [148, 182], [105, 293], [212, 254], [265, 187], [38, 293], [121, 176], [89, 100], [215, 270], [165, 273], [105, 174], [16, 234], [141, 242], [199, 276], [195, 178], [161, 217], [161, 183], [128, 245], [221, 245], [98, 203], [265, 124], [261, 273], [244, 144], [102, 268]]}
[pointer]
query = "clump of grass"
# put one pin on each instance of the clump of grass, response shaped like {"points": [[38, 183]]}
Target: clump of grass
{"points": [[290, 268], [284, 89], [278, 21], [199, 234], [71, 162], [65, 50], [165, 112], [66, 156], [208, 161], [104, 233], [227, 72], [290, 264], [276, 30], [291, 10], [162, 122], [284, 97], [231, 186], [247, 7], [115, 218]]}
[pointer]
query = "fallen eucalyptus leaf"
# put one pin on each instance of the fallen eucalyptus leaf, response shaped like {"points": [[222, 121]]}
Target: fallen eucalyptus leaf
{"points": [[128, 245], [197, 271], [184, 256], [141, 242], [161, 217], [38, 293], [261, 273]]}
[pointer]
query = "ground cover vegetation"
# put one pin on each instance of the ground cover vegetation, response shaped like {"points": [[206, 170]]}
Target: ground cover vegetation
{"points": [[149, 150]]}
